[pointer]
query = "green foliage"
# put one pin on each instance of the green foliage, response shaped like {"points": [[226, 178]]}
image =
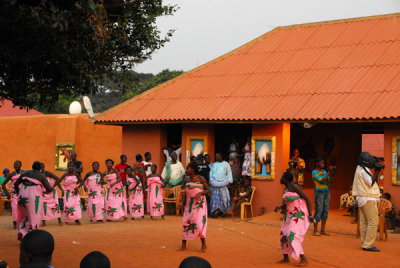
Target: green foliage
{"points": [[50, 48], [115, 89]]}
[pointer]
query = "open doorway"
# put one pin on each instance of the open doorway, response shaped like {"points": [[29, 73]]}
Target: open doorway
{"points": [[226, 133], [174, 137]]}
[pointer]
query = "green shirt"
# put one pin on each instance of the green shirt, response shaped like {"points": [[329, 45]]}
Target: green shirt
{"points": [[2, 179]]}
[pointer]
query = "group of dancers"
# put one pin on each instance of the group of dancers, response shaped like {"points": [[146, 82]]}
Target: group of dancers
{"points": [[34, 197]]}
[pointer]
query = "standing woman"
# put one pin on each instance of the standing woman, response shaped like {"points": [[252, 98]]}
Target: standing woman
{"points": [[93, 180], [322, 180], [29, 199], [296, 220], [115, 198], [51, 208], [135, 191], [13, 176], [195, 213], [155, 205], [72, 200]]}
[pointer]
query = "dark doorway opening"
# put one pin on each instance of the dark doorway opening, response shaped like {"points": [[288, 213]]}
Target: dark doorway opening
{"points": [[224, 135], [174, 136]]}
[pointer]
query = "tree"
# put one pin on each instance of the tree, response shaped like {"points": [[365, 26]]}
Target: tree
{"points": [[52, 48], [115, 89]]}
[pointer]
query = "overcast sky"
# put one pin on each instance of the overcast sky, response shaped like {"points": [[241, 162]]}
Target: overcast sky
{"points": [[206, 29]]}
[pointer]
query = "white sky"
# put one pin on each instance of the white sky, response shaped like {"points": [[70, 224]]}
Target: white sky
{"points": [[206, 29]]}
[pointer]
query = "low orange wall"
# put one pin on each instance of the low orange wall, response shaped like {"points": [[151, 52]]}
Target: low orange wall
{"points": [[31, 138], [394, 190]]}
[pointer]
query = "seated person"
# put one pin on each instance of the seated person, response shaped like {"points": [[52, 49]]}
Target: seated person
{"points": [[95, 259], [243, 194]]}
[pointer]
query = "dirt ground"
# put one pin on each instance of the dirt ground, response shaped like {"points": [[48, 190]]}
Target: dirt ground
{"points": [[231, 243]]}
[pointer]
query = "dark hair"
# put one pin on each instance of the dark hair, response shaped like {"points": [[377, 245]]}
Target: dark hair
{"points": [[192, 158], [286, 177], [71, 163], [41, 165], [39, 244], [206, 155], [139, 157], [95, 259], [318, 159], [109, 160], [387, 196], [200, 157], [95, 162], [36, 165], [154, 165], [194, 262], [146, 154], [19, 162], [127, 167], [122, 156], [193, 166]]}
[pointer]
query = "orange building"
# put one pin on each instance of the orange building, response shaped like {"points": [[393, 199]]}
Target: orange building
{"points": [[317, 87], [31, 138]]}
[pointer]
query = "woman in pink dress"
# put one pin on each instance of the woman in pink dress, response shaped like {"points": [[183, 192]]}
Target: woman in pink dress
{"points": [[72, 201], [51, 208], [135, 191], [194, 223], [115, 198], [155, 204], [94, 181], [296, 220], [13, 176], [30, 199]]}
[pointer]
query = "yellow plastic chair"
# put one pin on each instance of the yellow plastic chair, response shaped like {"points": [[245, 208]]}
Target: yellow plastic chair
{"points": [[243, 210]]}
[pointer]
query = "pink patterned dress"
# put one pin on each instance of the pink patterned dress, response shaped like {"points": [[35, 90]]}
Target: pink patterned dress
{"points": [[14, 198], [95, 207], [194, 223], [136, 204], [29, 205], [295, 225], [72, 201], [115, 203], [155, 204], [51, 209]]}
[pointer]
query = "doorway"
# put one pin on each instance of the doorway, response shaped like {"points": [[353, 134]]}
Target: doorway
{"points": [[226, 133]]}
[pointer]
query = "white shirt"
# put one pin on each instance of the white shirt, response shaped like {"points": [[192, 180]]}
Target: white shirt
{"points": [[168, 156], [177, 171], [148, 170], [362, 200]]}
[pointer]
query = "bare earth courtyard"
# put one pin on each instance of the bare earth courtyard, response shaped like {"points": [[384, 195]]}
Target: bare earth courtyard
{"points": [[231, 243]]}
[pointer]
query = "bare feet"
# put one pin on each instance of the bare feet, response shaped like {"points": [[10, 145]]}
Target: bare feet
{"points": [[60, 224], [43, 223], [181, 248], [316, 234], [324, 233], [78, 222], [302, 263], [203, 249], [19, 237], [15, 225]]}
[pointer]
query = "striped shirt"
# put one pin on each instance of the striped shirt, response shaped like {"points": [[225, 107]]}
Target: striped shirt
{"points": [[321, 180]]}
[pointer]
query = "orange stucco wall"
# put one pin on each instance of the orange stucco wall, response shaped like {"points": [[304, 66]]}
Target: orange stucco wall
{"points": [[191, 130], [269, 193], [394, 190], [30, 138], [141, 139]]}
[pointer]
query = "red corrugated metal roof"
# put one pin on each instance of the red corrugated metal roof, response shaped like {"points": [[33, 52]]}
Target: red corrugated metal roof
{"points": [[336, 70], [7, 109]]}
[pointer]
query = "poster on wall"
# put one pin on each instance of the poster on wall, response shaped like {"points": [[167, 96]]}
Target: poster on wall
{"points": [[263, 158], [396, 160], [195, 145], [63, 155]]}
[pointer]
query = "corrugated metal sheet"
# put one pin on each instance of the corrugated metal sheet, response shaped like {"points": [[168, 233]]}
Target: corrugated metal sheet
{"points": [[339, 70], [7, 109]]}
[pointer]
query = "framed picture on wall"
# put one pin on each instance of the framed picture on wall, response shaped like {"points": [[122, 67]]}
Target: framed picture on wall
{"points": [[195, 145], [63, 152], [396, 160], [263, 158]]}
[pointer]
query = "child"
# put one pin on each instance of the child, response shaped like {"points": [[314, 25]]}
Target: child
{"points": [[94, 181], [72, 201], [242, 195], [135, 191], [195, 213], [296, 221], [155, 204]]}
